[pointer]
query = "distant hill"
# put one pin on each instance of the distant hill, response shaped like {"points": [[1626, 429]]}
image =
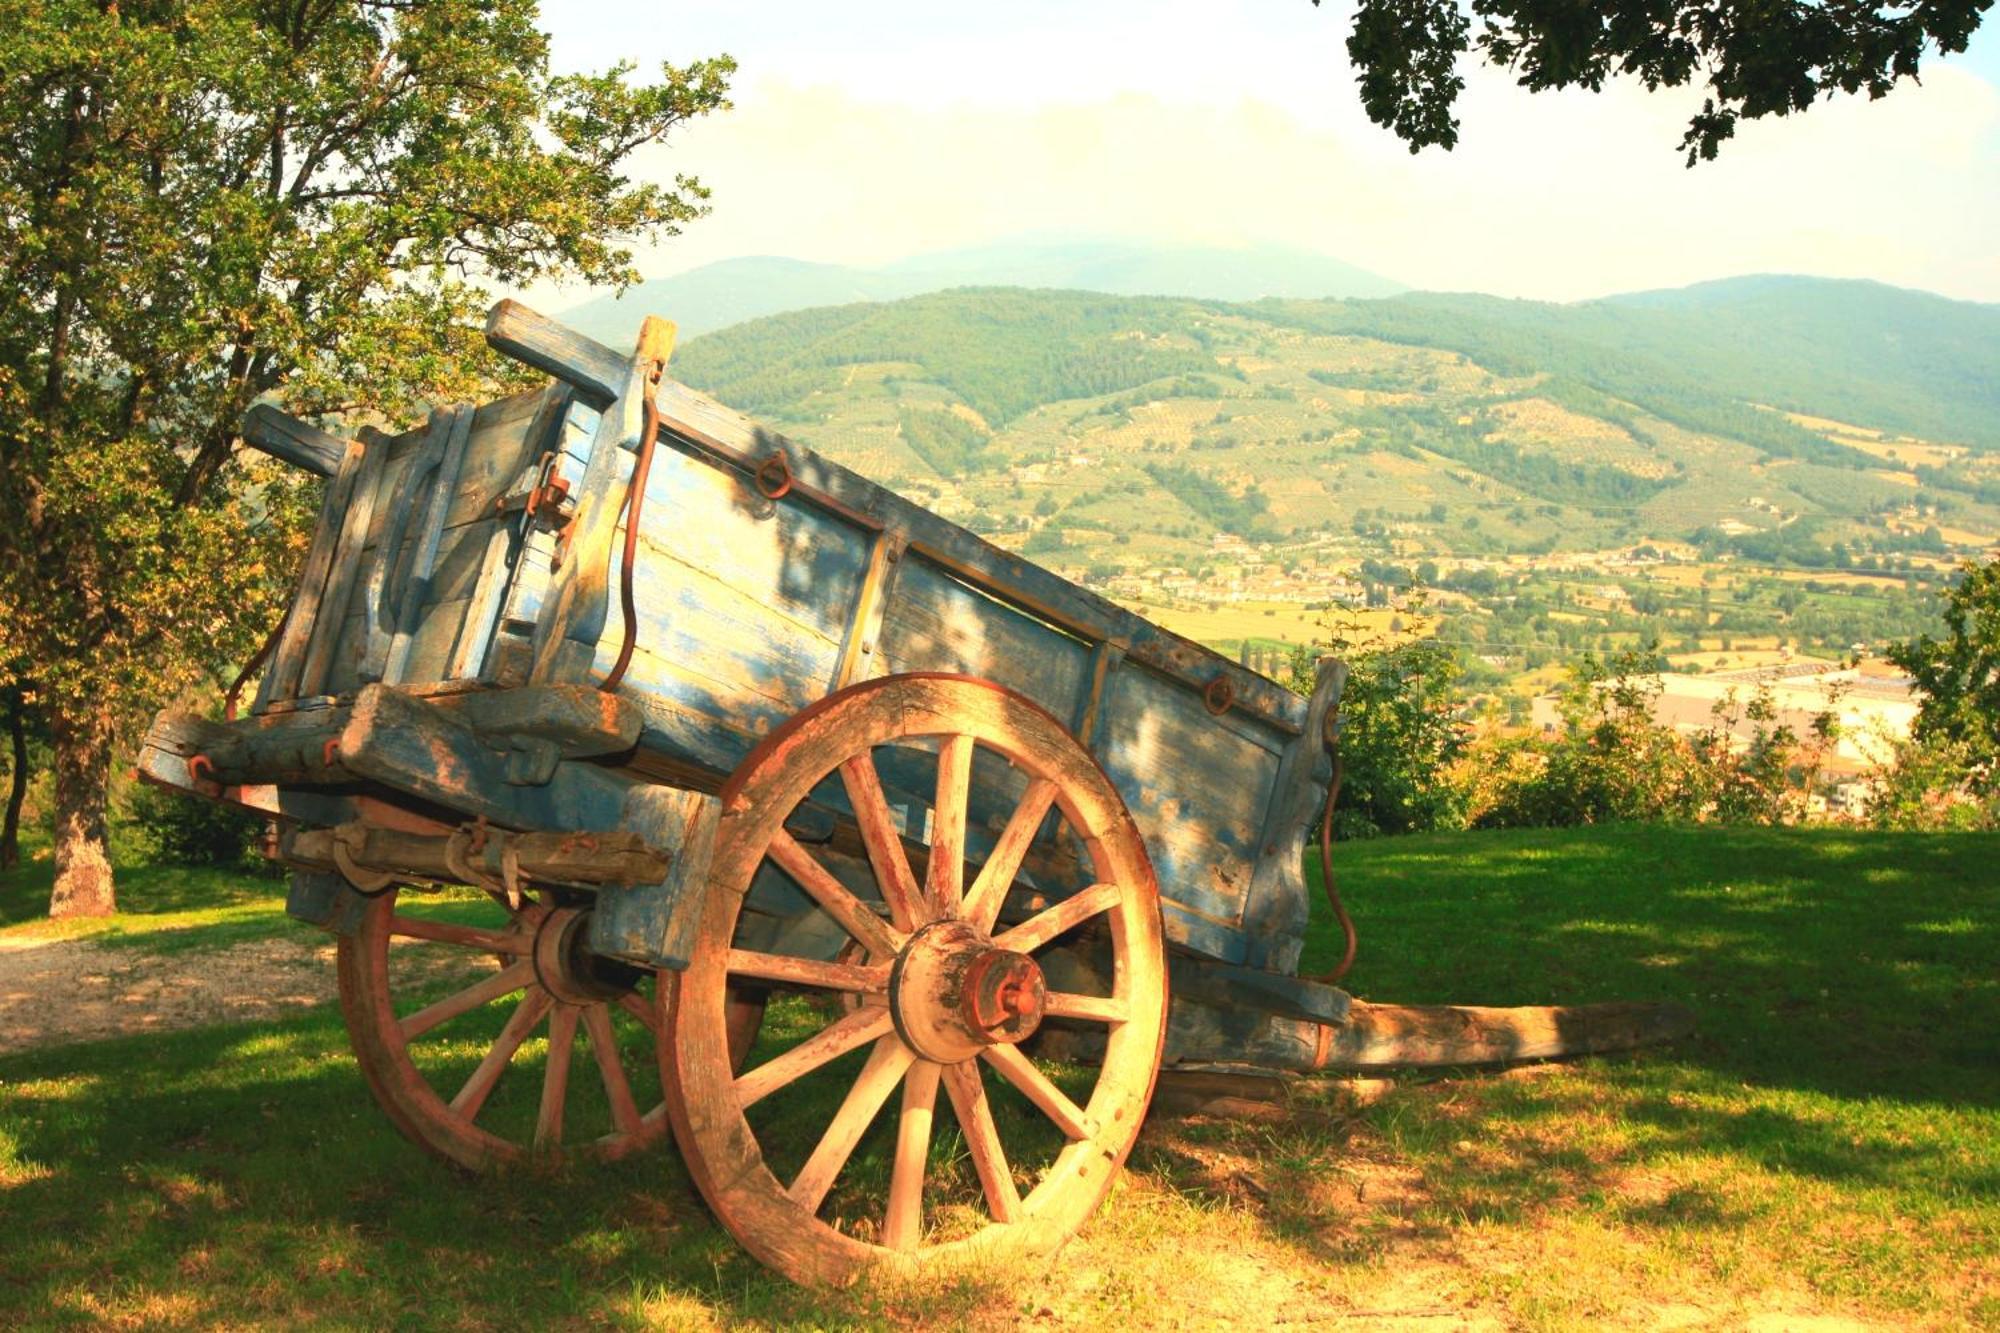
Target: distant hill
{"points": [[717, 295], [1887, 357], [1136, 431]]}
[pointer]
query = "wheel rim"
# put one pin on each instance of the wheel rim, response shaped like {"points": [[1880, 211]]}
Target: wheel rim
{"points": [[468, 1029], [946, 997]]}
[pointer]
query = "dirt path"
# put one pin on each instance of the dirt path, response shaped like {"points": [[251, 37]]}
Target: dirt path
{"points": [[58, 991]]}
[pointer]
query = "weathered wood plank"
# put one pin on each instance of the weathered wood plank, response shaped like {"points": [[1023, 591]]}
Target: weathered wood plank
{"points": [[1199, 790], [595, 371], [345, 568], [573, 616], [418, 748], [935, 621], [290, 440], [1275, 910], [413, 600], [281, 676], [740, 443], [387, 579]]}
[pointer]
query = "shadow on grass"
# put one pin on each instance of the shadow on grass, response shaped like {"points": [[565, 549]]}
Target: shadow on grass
{"points": [[243, 1175]]}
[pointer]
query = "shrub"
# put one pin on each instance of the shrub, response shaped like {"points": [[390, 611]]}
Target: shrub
{"points": [[1935, 784], [184, 830], [1400, 734]]}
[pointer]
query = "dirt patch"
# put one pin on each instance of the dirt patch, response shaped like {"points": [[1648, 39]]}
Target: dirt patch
{"points": [[53, 992]]}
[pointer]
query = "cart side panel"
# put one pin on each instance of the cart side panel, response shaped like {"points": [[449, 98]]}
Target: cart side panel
{"points": [[934, 621], [453, 531], [743, 607], [1199, 786]]}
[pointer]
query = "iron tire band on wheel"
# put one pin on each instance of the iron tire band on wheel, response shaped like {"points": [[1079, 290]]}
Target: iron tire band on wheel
{"points": [[715, 1136]]}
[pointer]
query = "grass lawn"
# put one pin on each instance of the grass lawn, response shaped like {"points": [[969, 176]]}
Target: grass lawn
{"points": [[163, 907], [1827, 1147]]}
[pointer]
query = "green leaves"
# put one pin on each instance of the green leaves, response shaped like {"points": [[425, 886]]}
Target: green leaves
{"points": [[1758, 59], [214, 201], [1959, 674]]}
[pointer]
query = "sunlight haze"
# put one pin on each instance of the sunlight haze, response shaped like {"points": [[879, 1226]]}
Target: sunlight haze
{"points": [[868, 133]]}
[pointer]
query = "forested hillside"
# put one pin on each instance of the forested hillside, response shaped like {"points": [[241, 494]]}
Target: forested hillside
{"points": [[1822, 423]]}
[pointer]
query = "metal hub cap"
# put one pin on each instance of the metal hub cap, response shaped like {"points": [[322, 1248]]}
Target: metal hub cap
{"points": [[952, 993]]}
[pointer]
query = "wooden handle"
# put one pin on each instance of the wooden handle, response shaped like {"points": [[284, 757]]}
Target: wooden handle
{"points": [[285, 437], [656, 339], [596, 372]]}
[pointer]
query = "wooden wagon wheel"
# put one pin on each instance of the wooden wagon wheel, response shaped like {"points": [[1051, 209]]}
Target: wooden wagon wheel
{"points": [[944, 997], [422, 996]]}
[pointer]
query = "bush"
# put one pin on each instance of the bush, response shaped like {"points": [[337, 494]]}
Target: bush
{"points": [[1400, 735], [185, 830], [1611, 762], [1934, 785]]}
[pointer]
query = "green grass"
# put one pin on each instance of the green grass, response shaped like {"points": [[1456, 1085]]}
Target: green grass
{"points": [[160, 907], [1829, 1142]]}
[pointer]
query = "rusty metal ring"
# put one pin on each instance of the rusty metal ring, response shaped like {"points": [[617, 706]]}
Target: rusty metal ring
{"points": [[774, 475], [1219, 695]]}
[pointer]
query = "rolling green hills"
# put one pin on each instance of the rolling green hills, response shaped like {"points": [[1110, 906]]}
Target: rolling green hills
{"points": [[1788, 418]]}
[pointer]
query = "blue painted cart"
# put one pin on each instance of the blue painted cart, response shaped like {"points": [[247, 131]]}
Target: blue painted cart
{"points": [[783, 796]]}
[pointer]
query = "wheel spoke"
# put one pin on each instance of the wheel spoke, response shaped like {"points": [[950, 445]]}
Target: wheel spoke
{"points": [[975, 1117], [871, 1088], [944, 881], [555, 1077], [903, 1224], [1019, 1070], [809, 972], [1071, 912], [854, 916], [479, 1087], [989, 890], [1096, 1008], [604, 1046], [635, 1004], [885, 845], [471, 937], [504, 982], [830, 1043]]}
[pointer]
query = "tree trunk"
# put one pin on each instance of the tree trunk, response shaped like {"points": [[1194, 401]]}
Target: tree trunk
{"points": [[83, 773], [17, 791]]}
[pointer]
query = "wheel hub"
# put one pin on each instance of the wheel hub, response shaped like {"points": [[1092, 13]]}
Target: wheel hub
{"points": [[567, 968], [953, 993]]}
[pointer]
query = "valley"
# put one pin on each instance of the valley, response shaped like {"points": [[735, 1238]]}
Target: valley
{"points": [[1560, 478]]}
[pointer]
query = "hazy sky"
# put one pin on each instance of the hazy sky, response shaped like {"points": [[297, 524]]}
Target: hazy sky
{"points": [[871, 130]]}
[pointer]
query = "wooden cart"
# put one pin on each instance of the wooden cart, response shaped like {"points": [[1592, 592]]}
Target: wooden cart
{"points": [[709, 724]]}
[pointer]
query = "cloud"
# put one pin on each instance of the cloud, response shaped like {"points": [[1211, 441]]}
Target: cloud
{"points": [[1555, 196]]}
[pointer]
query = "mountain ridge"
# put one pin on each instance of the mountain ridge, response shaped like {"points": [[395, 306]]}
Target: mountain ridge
{"points": [[731, 291]]}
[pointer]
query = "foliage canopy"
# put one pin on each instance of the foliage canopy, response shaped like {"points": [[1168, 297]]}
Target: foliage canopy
{"points": [[212, 201], [1958, 674], [1756, 61]]}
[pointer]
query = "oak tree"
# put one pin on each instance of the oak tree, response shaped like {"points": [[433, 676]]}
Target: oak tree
{"points": [[206, 202]]}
